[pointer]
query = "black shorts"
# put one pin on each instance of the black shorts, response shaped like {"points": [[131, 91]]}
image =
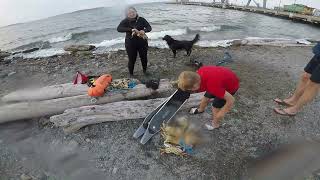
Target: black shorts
{"points": [[313, 68], [217, 102]]}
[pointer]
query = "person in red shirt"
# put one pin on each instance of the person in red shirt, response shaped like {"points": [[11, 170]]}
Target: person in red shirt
{"points": [[219, 83]]}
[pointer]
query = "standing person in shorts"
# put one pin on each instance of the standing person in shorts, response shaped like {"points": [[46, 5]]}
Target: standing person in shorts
{"points": [[306, 90], [219, 83]]}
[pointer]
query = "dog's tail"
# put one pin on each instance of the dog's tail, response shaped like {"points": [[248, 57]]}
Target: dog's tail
{"points": [[196, 39]]}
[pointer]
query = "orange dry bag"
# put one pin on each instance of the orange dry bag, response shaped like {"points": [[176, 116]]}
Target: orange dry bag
{"points": [[99, 86]]}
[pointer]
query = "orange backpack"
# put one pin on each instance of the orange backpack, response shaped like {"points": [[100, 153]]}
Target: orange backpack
{"points": [[100, 85]]}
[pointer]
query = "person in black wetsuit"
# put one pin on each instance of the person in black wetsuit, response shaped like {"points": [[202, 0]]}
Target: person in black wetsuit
{"points": [[136, 41]]}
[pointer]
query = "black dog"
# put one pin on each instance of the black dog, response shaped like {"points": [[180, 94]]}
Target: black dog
{"points": [[175, 45]]}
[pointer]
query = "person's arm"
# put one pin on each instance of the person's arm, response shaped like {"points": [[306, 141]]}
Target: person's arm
{"points": [[147, 27], [123, 27], [227, 107]]}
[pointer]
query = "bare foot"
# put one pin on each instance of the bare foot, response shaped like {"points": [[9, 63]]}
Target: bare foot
{"points": [[284, 102], [285, 112]]}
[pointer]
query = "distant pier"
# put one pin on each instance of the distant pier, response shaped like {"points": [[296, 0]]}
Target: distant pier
{"points": [[270, 12]]}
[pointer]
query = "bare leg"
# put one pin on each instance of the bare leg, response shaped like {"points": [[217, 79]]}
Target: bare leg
{"points": [[204, 103], [310, 92], [305, 78], [215, 121]]}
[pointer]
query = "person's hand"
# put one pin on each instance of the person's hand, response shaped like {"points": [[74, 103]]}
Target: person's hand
{"points": [[135, 31], [142, 32]]}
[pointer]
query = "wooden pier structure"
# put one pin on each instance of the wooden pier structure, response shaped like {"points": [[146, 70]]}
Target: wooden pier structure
{"points": [[260, 10]]}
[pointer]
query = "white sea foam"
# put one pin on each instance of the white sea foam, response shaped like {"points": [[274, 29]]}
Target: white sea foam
{"points": [[109, 43], [206, 28], [61, 39], [215, 43], [161, 34]]}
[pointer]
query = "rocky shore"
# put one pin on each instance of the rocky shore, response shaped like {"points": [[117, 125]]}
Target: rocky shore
{"points": [[251, 130]]}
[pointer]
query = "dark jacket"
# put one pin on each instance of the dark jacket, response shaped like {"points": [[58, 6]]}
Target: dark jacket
{"points": [[316, 49], [139, 23]]}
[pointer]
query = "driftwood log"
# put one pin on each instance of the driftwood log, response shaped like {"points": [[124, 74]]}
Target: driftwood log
{"points": [[74, 119], [27, 110], [45, 93]]}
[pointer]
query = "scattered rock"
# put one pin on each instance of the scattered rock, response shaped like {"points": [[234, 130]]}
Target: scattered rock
{"points": [[4, 54], [110, 55], [65, 70], [25, 177], [73, 144], [237, 43], [76, 48], [244, 42], [88, 140], [44, 121], [114, 171]]}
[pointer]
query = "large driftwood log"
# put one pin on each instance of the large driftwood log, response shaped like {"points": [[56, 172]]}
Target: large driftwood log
{"points": [[27, 110], [45, 93], [74, 119]]}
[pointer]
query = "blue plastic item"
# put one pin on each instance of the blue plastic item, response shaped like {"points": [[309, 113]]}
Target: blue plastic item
{"points": [[132, 84]]}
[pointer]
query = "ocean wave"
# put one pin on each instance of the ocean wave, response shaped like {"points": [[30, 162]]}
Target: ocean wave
{"points": [[215, 43], [79, 35], [161, 34], [61, 39], [36, 44], [264, 40], [151, 36], [159, 44], [206, 28], [108, 43], [118, 44]]}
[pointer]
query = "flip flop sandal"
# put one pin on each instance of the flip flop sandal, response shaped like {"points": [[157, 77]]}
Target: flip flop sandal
{"points": [[281, 102], [283, 112]]}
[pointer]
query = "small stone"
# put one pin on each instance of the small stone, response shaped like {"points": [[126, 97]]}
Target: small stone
{"points": [[102, 143], [44, 121], [109, 55], [86, 129], [88, 140], [25, 177], [73, 144], [66, 69], [114, 171], [12, 73]]}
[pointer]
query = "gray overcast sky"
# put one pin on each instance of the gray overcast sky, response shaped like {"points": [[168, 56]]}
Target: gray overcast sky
{"points": [[16, 11]]}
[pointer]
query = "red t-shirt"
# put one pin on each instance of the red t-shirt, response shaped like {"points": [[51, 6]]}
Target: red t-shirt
{"points": [[216, 80]]}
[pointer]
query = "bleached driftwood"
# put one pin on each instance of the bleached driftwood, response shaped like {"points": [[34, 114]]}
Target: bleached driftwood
{"points": [[45, 93], [74, 119], [27, 110]]}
